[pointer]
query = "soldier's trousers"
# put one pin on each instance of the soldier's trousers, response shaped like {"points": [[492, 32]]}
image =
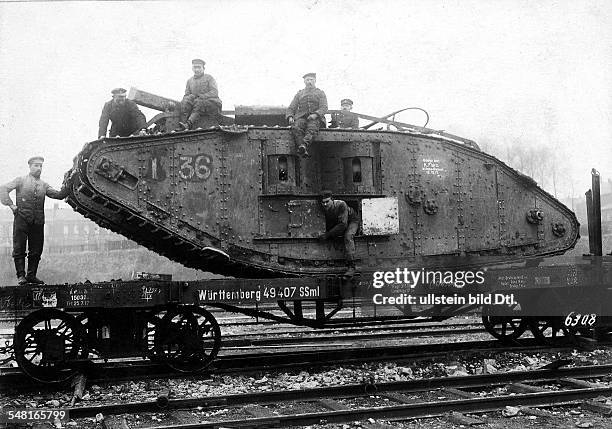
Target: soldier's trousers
{"points": [[28, 236], [349, 239], [194, 108], [304, 130]]}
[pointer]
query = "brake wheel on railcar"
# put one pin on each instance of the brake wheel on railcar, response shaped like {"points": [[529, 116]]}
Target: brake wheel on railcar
{"points": [[45, 342], [188, 338]]}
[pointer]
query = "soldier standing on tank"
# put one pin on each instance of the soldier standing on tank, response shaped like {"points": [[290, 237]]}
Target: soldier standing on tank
{"points": [[29, 222], [201, 98], [345, 118], [340, 221], [306, 113], [125, 116]]}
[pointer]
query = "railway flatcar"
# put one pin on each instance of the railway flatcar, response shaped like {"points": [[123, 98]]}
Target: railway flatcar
{"points": [[445, 228]]}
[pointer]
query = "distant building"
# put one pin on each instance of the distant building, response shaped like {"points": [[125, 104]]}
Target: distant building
{"points": [[65, 229]]}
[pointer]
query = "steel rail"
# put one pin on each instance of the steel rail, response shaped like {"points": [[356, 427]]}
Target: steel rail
{"points": [[250, 362], [412, 386]]}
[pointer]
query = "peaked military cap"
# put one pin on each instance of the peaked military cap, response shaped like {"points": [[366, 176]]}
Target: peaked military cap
{"points": [[309, 75], [326, 194], [198, 61], [346, 101], [35, 159], [118, 91]]}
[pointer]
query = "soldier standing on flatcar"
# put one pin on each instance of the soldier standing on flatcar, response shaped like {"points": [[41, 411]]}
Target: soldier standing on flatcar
{"points": [[125, 116], [345, 118], [29, 222], [201, 98], [306, 113], [340, 221]]}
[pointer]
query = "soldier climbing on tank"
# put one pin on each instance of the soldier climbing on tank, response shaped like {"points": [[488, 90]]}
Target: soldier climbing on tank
{"points": [[306, 113], [201, 100], [125, 116], [29, 221], [345, 118], [340, 221]]}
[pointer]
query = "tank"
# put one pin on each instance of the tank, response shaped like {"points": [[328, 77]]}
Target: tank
{"points": [[237, 200]]}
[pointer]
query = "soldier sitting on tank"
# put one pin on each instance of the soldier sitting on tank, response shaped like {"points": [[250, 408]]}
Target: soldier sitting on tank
{"points": [[125, 116], [340, 221], [306, 113], [201, 100], [29, 221], [345, 118]]}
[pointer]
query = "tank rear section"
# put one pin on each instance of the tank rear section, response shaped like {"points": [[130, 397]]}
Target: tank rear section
{"points": [[239, 201]]}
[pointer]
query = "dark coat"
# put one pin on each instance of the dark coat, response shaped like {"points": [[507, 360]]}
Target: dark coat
{"points": [[30, 196], [308, 101], [337, 218], [204, 87], [345, 120], [125, 119]]}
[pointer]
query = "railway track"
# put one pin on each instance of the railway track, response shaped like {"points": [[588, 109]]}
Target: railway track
{"points": [[233, 363], [387, 401], [311, 337]]}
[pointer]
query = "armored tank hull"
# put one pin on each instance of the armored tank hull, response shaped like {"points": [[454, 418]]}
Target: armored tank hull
{"points": [[239, 201]]}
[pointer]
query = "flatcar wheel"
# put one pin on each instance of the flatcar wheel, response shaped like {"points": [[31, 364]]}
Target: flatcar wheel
{"points": [[547, 331], [504, 328], [188, 338], [45, 341]]}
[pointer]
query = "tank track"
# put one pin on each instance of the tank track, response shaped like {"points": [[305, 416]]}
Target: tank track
{"points": [[109, 214]]}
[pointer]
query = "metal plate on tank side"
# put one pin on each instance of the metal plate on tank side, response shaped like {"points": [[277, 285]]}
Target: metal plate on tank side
{"points": [[438, 217], [480, 207], [380, 216]]}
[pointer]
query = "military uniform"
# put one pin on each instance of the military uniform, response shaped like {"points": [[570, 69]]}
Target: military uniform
{"points": [[342, 221], [28, 226], [306, 102], [201, 98], [345, 119], [125, 119]]}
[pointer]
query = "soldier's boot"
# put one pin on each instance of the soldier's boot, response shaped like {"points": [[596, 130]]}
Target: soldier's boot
{"points": [[32, 269], [183, 126], [20, 269], [350, 272], [303, 148]]}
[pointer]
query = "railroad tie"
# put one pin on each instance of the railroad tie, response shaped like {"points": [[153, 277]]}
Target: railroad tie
{"points": [[462, 419], [399, 397], [598, 407], [184, 417], [577, 383], [535, 412], [332, 404], [524, 388], [259, 411], [115, 422], [458, 392]]}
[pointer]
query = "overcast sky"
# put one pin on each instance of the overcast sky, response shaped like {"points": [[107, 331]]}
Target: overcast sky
{"points": [[536, 72]]}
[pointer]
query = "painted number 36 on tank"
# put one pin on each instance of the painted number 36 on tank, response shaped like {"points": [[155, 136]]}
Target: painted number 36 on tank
{"points": [[195, 167]]}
